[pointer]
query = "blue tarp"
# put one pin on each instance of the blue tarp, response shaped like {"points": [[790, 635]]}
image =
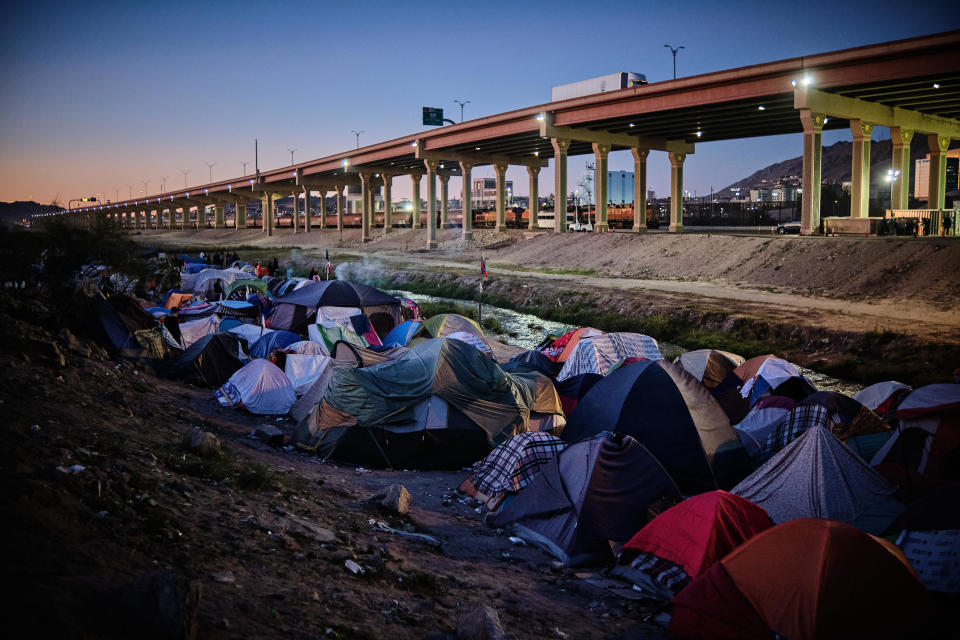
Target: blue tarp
{"points": [[196, 267], [273, 340], [402, 334]]}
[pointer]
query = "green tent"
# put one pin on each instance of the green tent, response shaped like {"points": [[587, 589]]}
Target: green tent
{"points": [[442, 325], [244, 288]]}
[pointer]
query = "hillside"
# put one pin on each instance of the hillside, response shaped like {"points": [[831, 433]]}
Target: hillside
{"points": [[13, 211]]}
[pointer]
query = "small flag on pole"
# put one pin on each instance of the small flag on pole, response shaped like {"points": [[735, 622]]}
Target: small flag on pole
{"points": [[483, 267]]}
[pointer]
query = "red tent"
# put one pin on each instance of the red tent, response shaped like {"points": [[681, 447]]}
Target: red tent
{"points": [[699, 531], [807, 578]]}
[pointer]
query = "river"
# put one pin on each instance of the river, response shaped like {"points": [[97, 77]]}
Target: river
{"points": [[527, 331]]}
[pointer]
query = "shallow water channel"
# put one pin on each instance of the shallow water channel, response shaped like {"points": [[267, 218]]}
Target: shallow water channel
{"points": [[525, 330]]}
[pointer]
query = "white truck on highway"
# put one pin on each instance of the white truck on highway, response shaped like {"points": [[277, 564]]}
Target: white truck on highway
{"points": [[600, 84]]}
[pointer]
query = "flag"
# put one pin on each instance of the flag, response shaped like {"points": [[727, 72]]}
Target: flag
{"points": [[483, 268]]}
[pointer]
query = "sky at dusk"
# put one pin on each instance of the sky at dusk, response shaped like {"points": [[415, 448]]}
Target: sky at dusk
{"points": [[100, 97]]}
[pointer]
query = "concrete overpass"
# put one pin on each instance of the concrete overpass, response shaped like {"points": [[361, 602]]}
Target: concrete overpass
{"points": [[911, 86]]}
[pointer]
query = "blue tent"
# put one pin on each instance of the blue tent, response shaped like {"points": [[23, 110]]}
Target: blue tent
{"points": [[402, 334], [672, 414], [196, 267], [273, 340], [532, 360]]}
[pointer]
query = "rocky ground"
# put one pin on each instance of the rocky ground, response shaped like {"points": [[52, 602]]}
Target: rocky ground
{"points": [[124, 519]]}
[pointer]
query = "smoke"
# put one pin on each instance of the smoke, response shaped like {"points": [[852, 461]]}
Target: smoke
{"points": [[367, 270]]}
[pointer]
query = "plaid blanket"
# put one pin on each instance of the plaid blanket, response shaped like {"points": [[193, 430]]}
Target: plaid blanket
{"points": [[664, 572], [795, 424], [511, 466]]}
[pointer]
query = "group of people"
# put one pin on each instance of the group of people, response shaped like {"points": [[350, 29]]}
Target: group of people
{"points": [[270, 269], [221, 258]]}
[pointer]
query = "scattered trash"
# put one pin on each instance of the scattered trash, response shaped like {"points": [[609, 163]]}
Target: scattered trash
{"points": [[77, 468], [35, 428], [383, 526], [517, 541], [353, 567]]}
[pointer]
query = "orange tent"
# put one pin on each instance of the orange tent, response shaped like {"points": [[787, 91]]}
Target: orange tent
{"points": [[178, 300], [807, 578]]}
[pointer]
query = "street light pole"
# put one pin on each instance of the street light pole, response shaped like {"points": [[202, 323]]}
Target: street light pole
{"points": [[244, 167], [674, 52], [184, 172], [357, 133], [292, 150], [210, 166], [145, 183], [461, 103], [163, 184]]}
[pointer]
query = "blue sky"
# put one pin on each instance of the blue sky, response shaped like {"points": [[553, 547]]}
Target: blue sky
{"points": [[99, 96]]}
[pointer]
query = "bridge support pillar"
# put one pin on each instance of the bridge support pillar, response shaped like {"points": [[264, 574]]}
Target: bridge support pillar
{"points": [[307, 223], [811, 177], [295, 225], [415, 197], [900, 193], [501, 170], [676, 191], [387, 202], [533, 208], [322, 194], [444, 197], [640, 189], [339, 189], [240, 216], [937, 177], [267, 215], [560, 148], [431, 166], [860, 169], [601, 186], [466, 200], [219, 216], [366, 201]]}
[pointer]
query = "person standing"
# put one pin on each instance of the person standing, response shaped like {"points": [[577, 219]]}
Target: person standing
{"points": [[172, 323]]}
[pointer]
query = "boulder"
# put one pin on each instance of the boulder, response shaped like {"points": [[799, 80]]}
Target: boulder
{"points": [[395, 499], [203, 443], [480, 623]]}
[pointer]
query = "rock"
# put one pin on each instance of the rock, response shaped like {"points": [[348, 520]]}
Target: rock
{"points": [[159, 605], [353, 567], [481, 623], [269, 434], [203, 443], [395, 499], [223, 577], [295, 525]]}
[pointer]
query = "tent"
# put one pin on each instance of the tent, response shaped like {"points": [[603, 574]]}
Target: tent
{"points": [[805, 579], [471, 339], [379, 400], [592, 492], [193, 330], [304, 369], [671, 414], [203, 283], [305, 347], [756, 378], [532, 360], [709, 366], [882, 397], [762, 420], [572, 390], [259, 386], [443, 324], [560, 349], [402, 334], [924, 451], [250, 332], [816, 476], [113, 321], [511, 466], [597, 354], [347, 353], [270, 341], [211, 360], [241, 289], [685, 540], [294, 309], [329, 336], [848, 416]]}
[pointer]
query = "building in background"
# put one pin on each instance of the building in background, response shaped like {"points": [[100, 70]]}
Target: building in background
{"points": [[921, 174], [484, 193]]}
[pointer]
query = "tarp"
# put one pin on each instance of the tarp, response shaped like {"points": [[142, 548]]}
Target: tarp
{"points": [[260, 386], [270, 341], [296, 308], [306, 347], [709, 366], [473, 340], [756, 427], [598, 354], [935, 556], [881, 396], [195, 329], [202, 283], [671, 414], [691, 536], [303, 370], [532, 360], [511, 466], [593, 491], [329, 336], [211, 360], [816, 476], [250, 332], [402, 334], [561, 348], [805, 579]]}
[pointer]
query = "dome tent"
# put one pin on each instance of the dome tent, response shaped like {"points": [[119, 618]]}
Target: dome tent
{"points": [[259, 386]]}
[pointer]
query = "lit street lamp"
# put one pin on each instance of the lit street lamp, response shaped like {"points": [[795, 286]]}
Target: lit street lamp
{"points": [[674, 52], [892, 176]]}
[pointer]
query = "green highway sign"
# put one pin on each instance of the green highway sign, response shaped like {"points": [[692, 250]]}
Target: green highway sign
{"points": [[432, 116]]}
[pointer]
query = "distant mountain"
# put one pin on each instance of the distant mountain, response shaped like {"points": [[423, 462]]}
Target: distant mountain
{"points": [[15, 211], [834, 164]]}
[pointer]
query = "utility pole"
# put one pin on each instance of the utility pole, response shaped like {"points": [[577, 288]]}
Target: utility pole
{"points": [[357, 133], [461, 103], [674, 52]]}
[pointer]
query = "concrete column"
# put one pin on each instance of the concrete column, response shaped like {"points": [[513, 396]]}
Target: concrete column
{"points": [[366, 209], [937, 179], [387, 202], [444, 197], [267, 215], [306, 211], [339, 189], [560, 148], [323, 208], [860, 169], [240, 219], [415, 179], [676, 191], [431, 166], [601, 186], [900, 193], [640, 189], [466, 200], [501, 170], [533, 209], [219, 216], [811, 178], [296, 211]]}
